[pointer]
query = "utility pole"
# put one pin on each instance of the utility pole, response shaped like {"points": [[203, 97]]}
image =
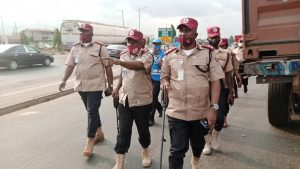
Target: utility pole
{"points": [[2, 26], [122, 16], [140, 17]]}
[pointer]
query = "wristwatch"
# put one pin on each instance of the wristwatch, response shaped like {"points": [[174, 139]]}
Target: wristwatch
{"points": [[215, 106]]}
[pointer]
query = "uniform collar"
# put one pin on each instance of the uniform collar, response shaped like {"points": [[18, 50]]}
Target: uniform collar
{"points": [[89, 44]]}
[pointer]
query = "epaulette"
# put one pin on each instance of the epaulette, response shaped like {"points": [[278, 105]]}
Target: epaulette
{"points": [[208, 47], [170, 50], [76, 43], [99, 43]]}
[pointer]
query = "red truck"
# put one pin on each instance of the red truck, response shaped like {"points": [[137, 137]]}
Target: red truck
{"points": [[271, 33]]}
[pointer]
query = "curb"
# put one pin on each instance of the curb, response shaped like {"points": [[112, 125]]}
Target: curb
{"points": [[23, 105], [29, 103]]}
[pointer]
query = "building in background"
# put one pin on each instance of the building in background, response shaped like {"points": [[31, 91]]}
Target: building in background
{"points": [[40, 37]]}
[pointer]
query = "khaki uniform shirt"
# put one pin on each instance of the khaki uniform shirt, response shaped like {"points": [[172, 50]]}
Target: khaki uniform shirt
{"points": [[224, 58], [238, 54], [89, 70], [235, 62], [189, 87], [136, 84]]}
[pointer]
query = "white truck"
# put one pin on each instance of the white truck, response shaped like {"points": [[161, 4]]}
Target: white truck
{"points": [[107, 34]]}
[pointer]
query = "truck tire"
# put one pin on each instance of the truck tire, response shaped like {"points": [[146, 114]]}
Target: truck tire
{"points": [[279, 107]]}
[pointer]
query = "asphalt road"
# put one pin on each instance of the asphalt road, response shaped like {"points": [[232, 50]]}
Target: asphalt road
{"points": [[29, 77], [25, 86], [52, 135]]}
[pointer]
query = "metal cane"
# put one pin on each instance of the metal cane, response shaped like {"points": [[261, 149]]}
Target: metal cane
{"points": [[164, 103], [116, 105]]}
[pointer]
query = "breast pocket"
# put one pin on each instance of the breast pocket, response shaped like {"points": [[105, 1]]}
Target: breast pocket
{"points": [[200, 67]]}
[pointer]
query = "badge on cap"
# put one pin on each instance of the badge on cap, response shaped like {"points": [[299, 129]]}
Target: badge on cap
{"points": [[215, 30], [131, 33], [186, 20]]}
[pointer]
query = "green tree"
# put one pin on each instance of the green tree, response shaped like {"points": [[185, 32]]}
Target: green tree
{"points": [[173, 31], [231, 40], [24, 39], [57, 39]]}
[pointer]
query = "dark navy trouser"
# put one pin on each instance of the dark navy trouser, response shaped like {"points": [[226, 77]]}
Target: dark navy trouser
{"points": [[181, 134], [139, 114], [223, 107], [92, 102]]}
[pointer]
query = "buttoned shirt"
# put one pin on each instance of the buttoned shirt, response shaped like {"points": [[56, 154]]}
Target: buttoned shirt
{"points": [[89, 69], [136, 84], [189, 87]]}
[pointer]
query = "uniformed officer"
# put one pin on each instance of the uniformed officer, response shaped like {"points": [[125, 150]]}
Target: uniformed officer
{"points": [[224, 58], [135, 97], [186, 73], [158, 55], [90, 81], [223, 45]]}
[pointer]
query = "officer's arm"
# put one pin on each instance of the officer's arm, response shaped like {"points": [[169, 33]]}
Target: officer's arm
{"points": [[215, 91], [165, 73], [109, 75], [68, 71], [133, 65], [119, 83]]}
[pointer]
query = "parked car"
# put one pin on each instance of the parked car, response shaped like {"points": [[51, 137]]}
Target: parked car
{"points": [[16, 55], [115, 50]]}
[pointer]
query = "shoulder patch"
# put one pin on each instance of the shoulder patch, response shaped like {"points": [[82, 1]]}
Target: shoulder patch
{"points": [[170, 50], [208, 47]]}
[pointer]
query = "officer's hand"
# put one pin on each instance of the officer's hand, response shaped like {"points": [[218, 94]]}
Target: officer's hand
{"points": [[230, 99], [61, 86], [211, 116], [115, 93], [166, 86], [239, 80], [108, 91], [111, 61]]}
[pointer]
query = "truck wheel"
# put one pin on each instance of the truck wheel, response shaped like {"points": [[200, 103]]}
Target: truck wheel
{"points": [[279, 107]]}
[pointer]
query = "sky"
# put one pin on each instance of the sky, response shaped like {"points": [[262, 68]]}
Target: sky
{"points": [[154, 14]]}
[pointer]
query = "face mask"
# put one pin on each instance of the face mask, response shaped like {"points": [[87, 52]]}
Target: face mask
{"points": [[240, 45], [214, 42], [134, 50], [86, 38], [186, 41]]}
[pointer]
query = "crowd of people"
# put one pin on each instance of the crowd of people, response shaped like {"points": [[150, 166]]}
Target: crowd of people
{"points": [[200, 81]]}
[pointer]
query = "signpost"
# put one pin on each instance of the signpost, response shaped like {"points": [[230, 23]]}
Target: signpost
{"points": [[165, 35]]}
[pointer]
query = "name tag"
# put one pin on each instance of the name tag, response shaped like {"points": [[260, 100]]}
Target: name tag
{"points": [[77, 59], [180, 74], [180, 70]]}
